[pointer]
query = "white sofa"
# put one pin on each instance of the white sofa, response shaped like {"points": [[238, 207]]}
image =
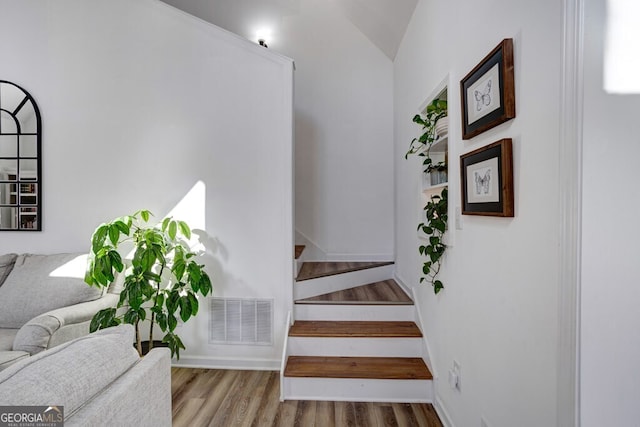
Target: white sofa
{"points": [[98, 380], [45, 302]]}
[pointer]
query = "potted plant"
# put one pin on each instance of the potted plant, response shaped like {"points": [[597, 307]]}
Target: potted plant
{"points": [[435, 211], [161, 281]]}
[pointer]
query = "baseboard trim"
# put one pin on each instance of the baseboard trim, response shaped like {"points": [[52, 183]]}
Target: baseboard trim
{"points": [[204, 362], [403, 285], [442, 412]]}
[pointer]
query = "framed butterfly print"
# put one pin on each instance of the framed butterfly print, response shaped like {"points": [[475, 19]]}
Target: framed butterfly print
{"points": [[488, 92], [487, 180]]}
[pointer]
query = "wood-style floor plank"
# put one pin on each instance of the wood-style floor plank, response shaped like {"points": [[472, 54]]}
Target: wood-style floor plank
{"points": [[385, 292], [354, 329], [298, 250], [313, 270], [203, 397], [391, 368]]}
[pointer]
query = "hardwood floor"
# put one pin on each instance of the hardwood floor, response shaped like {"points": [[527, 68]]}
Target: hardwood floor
{"points": [[203, 397]]}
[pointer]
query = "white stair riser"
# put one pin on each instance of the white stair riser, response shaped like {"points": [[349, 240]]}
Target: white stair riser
{"points": [[358, 390], [337, 282], [365, 347], [354, 312]]}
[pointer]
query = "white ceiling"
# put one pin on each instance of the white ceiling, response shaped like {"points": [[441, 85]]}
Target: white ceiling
{"points": [[384, 22]]}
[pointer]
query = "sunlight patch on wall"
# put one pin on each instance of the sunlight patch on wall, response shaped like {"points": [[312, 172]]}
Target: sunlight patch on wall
{"points": [[621, 61], [191, 208]]}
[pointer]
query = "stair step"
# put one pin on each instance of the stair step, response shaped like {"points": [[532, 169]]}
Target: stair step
{"points": [[354, 329], [386, 292], [392, 368], [298, 250], [347, 312], [314, 270]]}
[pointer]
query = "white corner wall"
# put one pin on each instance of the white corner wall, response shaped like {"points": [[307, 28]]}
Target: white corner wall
{"points": [[144, 106], [343, 136], [497, 316], [610, 342]]}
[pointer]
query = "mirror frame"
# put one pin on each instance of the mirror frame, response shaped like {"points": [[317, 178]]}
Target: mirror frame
{"points": [[22, 223]]}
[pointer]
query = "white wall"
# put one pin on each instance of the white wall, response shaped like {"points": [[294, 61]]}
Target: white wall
{"points": [[142, 103], [497, 315], [344, 132], [343, 121], [610, 342]]}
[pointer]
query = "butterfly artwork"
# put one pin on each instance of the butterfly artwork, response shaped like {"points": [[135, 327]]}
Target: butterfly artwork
{"points": [[483, 182], [483, 99]]}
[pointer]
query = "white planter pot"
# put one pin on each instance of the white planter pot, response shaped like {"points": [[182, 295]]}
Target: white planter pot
{"points": [[442, 127]]}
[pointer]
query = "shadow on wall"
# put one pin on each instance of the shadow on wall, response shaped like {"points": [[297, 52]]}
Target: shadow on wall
{"points": [[309, 159]]}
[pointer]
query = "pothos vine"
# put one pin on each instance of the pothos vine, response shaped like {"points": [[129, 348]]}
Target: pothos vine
{"points": [[435, 220]]}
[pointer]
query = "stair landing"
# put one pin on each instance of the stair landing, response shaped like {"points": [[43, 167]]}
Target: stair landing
{"points": [[386, 292], [314, 270]]}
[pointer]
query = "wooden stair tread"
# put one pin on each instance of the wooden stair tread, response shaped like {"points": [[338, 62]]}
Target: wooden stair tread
{"points": [[386, 292], [395, 368], [314, 270], [298, 250], [355, 329]]}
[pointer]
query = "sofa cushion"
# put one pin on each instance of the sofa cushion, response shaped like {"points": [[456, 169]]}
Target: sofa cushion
{"points": [[6, 265], [72, 373], [40, 283], [8, 358], [6, 339]]}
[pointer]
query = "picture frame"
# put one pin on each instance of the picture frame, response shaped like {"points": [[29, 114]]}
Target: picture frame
{"points": [[486, 178], [488, 92]]}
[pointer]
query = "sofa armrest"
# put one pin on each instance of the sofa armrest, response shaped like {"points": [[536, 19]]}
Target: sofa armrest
{"points": [[60, 325], [141, 396]]}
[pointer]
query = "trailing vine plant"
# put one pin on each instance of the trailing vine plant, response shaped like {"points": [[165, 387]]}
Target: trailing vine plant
{"points": [[435, 211]]}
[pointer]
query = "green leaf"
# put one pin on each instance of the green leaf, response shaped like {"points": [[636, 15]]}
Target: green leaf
{"points": [[98, 238], [104, 318], [173, 230], [175, 344], [172, 322], [205, 284], [122, 226], [145, 214], [165, 223], [131, 316], [184, 229], [185, 308], [116, 260], [194, 303], [437, 286], [439, 225], [161, 318]]}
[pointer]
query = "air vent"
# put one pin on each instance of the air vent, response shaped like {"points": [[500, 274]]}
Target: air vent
{"points": [[241, 321]]}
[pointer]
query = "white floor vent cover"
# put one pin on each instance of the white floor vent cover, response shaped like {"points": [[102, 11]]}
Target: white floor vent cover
{"points": [[241, 321]]}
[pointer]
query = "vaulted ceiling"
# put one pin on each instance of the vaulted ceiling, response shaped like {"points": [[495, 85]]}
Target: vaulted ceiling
{"points": [[384, 22]]}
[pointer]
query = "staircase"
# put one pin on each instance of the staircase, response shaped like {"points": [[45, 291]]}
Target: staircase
{"points": [[354, 337]]}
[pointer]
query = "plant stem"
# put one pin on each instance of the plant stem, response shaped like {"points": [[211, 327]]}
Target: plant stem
{"points": [[138, 339]]}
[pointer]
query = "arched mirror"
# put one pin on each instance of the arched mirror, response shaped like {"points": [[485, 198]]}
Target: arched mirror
{"points": [[20, 160]]}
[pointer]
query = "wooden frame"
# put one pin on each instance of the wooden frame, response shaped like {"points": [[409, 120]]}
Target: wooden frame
{"points": [[486, 179], [488, 92]]}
